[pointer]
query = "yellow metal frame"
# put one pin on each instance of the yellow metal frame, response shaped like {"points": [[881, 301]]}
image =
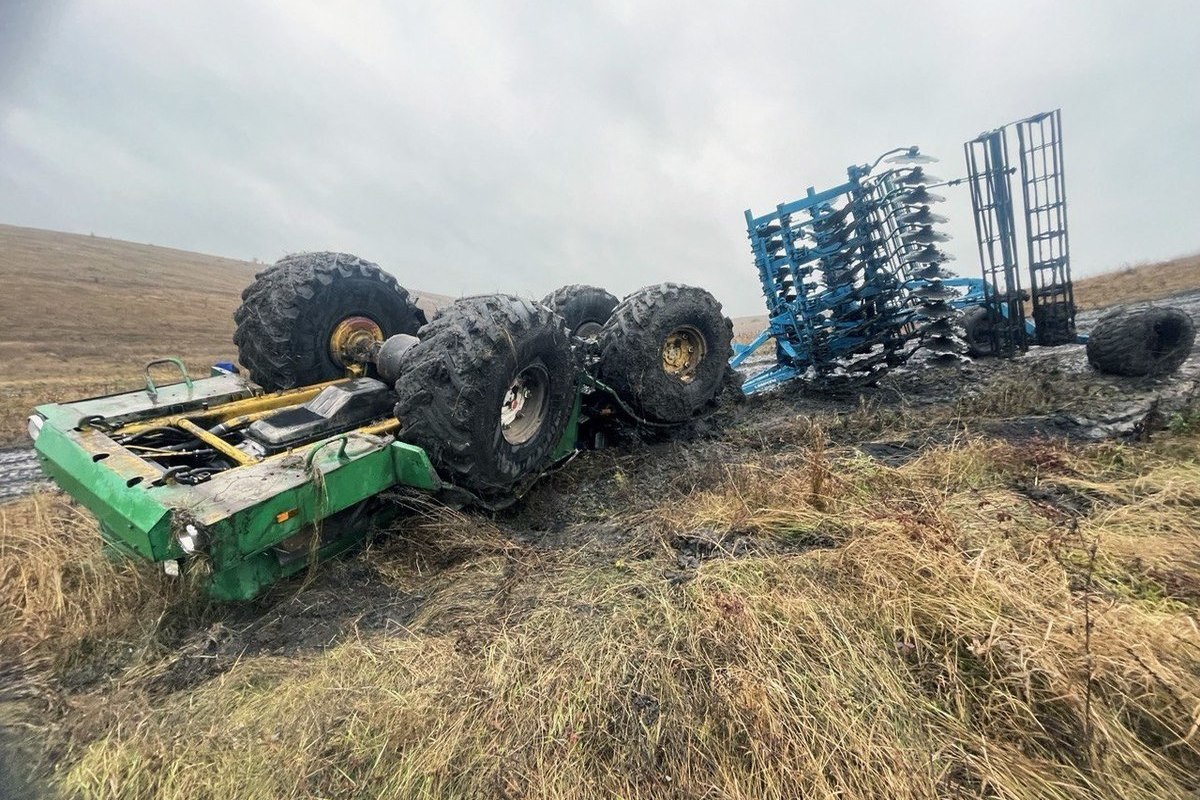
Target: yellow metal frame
{"points": [[215, 442], [242, 412], [236, 412]]}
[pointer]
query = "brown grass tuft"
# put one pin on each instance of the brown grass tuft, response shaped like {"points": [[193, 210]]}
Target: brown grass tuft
{"points": [[1139, 283], [60, 594]]}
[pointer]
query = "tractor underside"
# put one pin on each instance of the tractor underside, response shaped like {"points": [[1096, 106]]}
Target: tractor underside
{"points": [[147, 468]]}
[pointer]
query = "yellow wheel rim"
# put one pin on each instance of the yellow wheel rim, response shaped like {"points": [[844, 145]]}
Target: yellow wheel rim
{"points": [[351, 340], [682, 352]]}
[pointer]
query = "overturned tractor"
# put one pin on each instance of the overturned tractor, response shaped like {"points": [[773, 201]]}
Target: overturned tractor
{"points": [[352, 395]]}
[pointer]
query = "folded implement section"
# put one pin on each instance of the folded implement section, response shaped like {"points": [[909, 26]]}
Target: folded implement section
{"points": [[852, 275]]}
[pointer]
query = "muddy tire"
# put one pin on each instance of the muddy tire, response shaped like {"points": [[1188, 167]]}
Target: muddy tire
{"points": [[288, 316], [585, 308], [476, 355], [665, 350], [977, 330], [1141, 341]]}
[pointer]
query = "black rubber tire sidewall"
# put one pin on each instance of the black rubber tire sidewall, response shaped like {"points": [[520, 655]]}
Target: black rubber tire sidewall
{"points": [[1121, 341], [631, 352], [454, 380], [977, 332], [580, 305], [289, 313]]}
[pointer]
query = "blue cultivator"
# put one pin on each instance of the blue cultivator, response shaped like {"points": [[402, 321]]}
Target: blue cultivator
{"points": [[853, 277]]}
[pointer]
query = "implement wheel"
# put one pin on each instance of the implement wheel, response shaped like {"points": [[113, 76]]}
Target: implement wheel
{"points": [[978, 332], [311, 316], [1141, 341], [488, 391], [585, 308], [665, 350]]}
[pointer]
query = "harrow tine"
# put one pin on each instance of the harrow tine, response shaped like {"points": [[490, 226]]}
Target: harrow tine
{"points": [[935, 292], [922, 217], [937, 310], [941, 327], [928, 254], [932, 272], [912, 156]]}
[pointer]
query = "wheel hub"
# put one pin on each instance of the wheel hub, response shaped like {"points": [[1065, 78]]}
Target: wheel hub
{"points": [[589, 331], [523, 408], [351, 340], [682, 352]]}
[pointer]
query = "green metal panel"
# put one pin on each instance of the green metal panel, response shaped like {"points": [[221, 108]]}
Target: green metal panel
{"points": [[413, 467], [569, 441], [299, 495], [171, 399], [130, 518]]}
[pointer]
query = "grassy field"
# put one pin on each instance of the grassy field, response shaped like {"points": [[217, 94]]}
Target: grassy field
{"points": [[986, 620], [1150, 281], [765, 611]]}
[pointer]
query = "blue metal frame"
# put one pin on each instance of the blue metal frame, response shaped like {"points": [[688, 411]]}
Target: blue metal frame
{"points": [[1044, 202], [850, 273], [838, 276]]}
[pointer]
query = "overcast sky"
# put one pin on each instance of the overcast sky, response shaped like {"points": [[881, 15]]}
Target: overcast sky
{"points": [[475, 147]]}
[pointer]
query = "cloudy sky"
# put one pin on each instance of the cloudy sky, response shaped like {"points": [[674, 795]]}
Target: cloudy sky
{"points": [[508, 146]]}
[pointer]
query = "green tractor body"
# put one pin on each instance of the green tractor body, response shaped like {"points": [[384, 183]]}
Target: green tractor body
{"points": [[253, 523]]}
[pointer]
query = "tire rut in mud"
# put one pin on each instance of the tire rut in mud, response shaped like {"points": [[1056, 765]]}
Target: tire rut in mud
{"points": [[19, 473]]}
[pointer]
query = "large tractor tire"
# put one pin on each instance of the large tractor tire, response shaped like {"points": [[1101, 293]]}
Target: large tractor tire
{"points": [[302, 319], [1141, 341], [585, 308], [488, 391], [665, 350]]}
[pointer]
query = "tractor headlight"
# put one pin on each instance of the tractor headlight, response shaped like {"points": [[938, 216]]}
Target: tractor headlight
{"points": [[35, 426], [189, 540]]}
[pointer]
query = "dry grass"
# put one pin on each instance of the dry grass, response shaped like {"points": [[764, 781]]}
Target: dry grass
{"points": [[1140, 282], [60, 590], [984, 621], [80, 315]]}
